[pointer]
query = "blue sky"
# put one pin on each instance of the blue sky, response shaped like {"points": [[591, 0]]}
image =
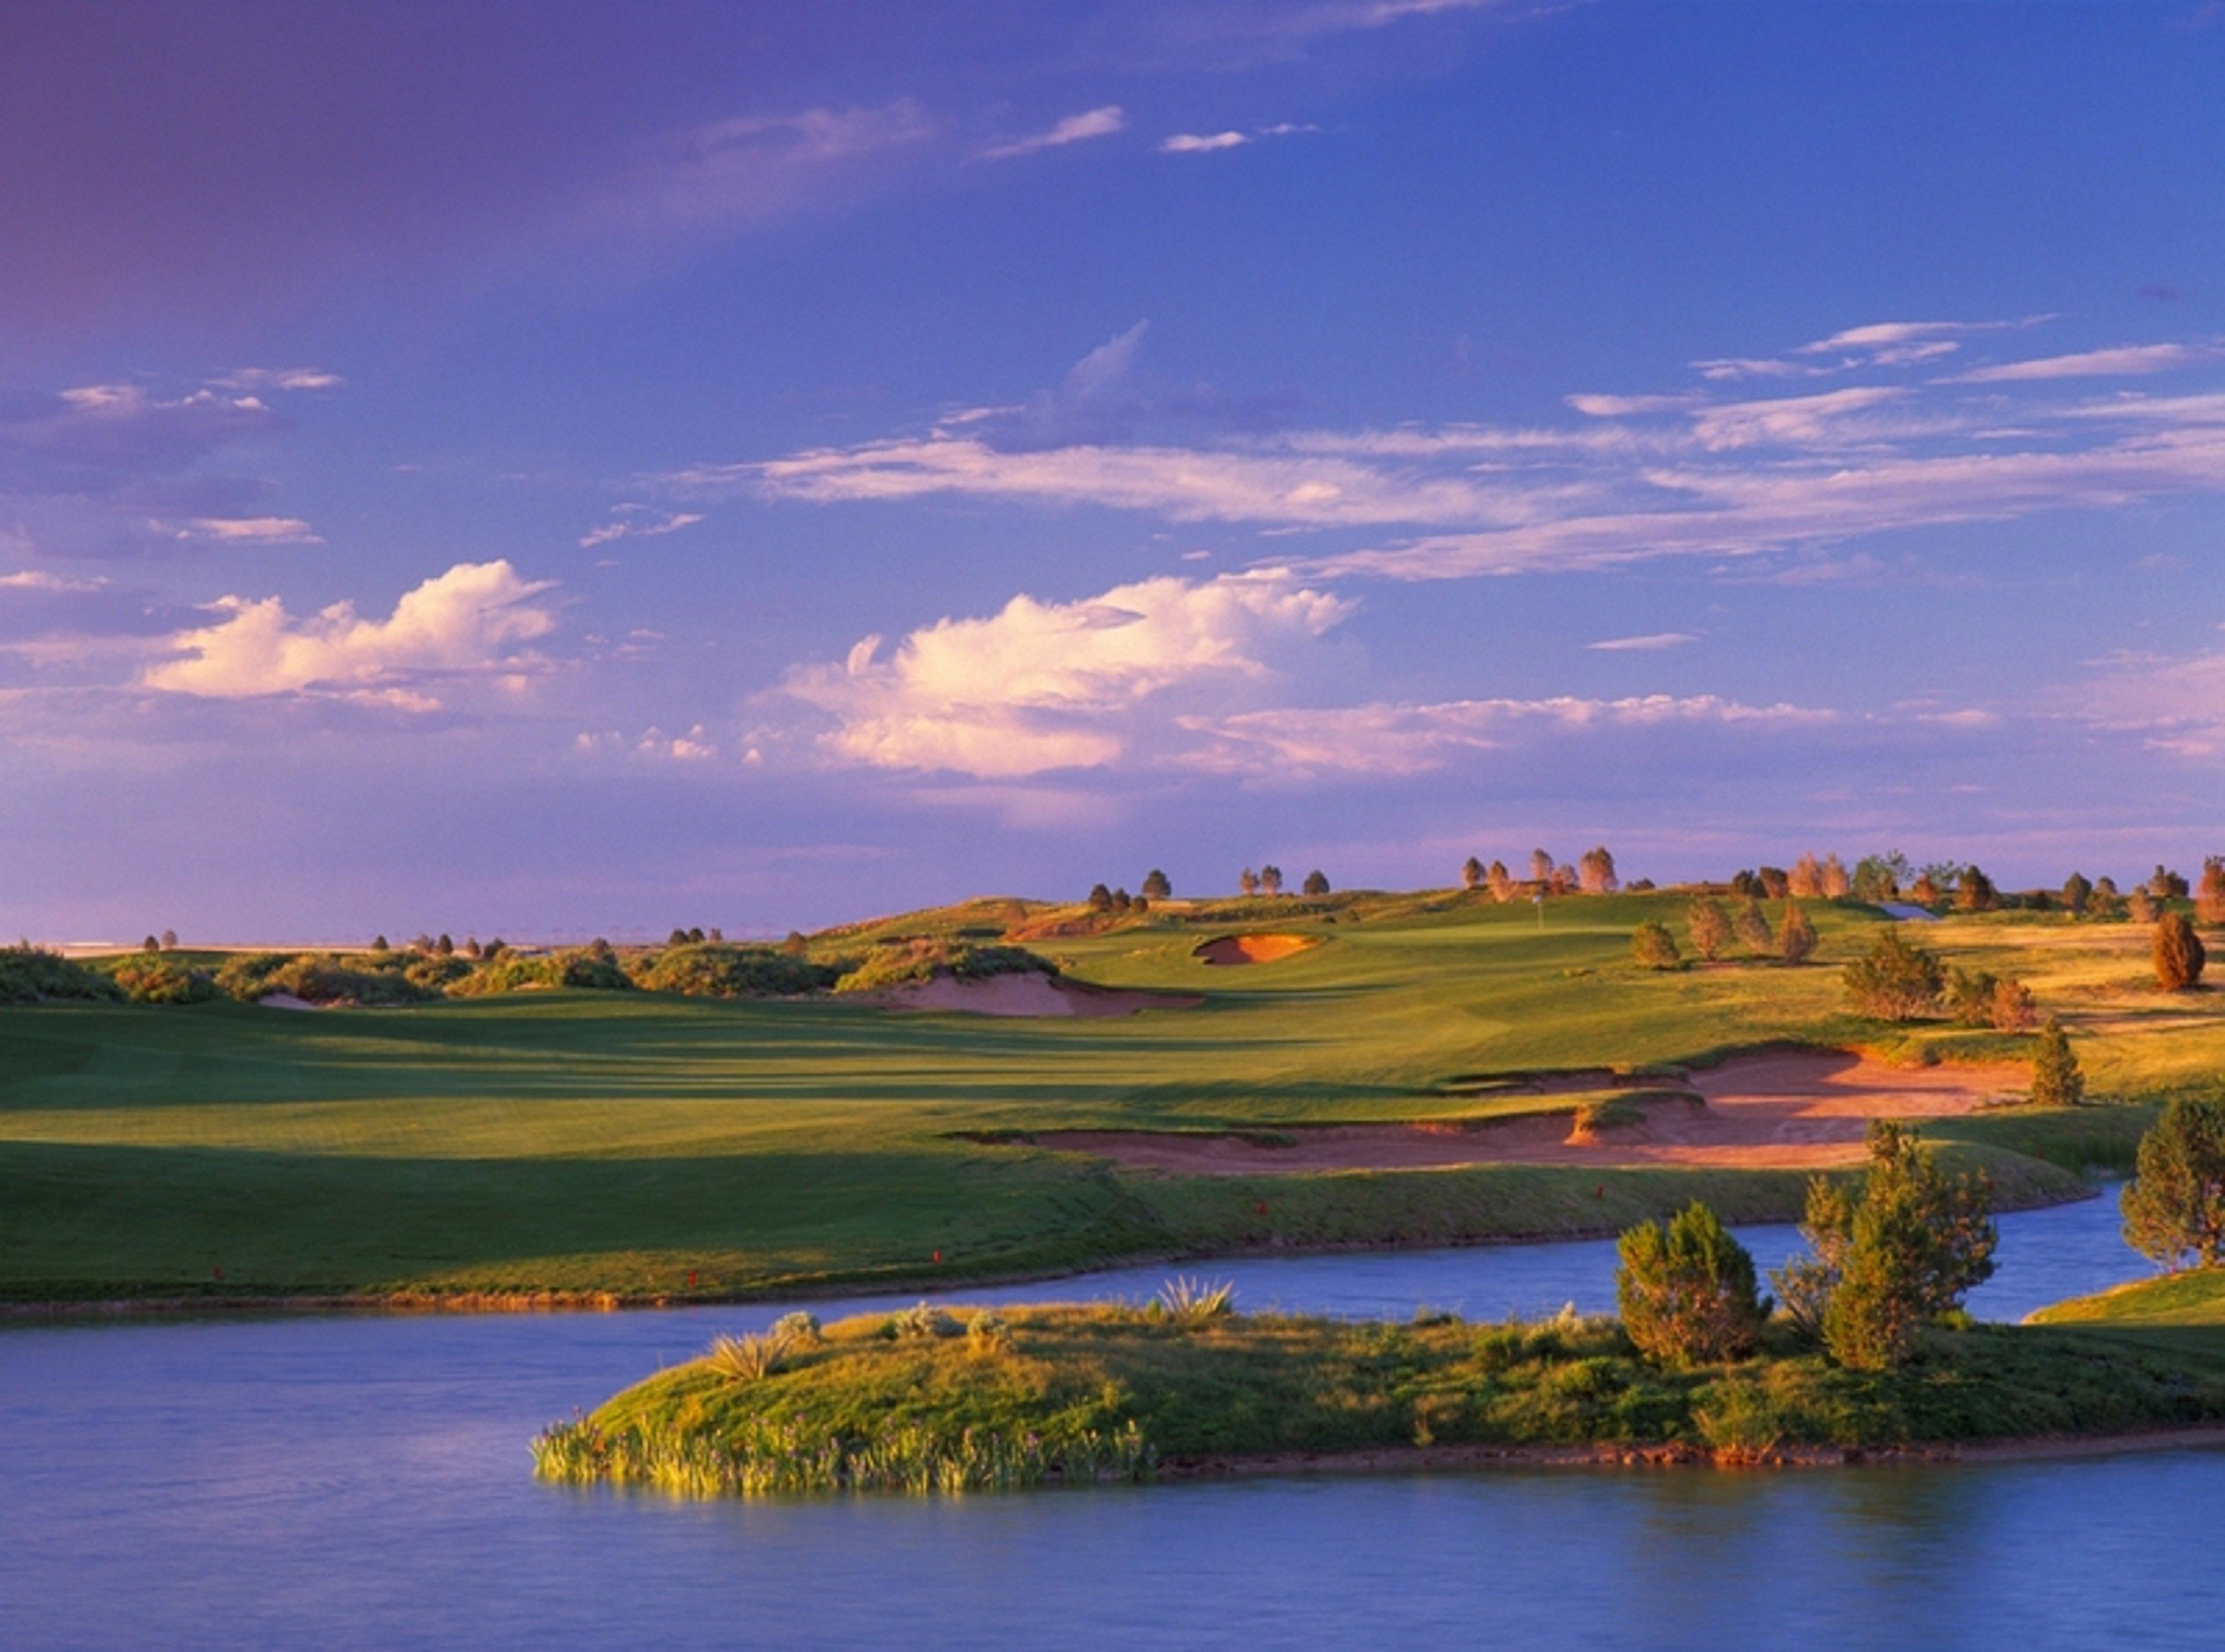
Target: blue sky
{"points": [[575, 469]]}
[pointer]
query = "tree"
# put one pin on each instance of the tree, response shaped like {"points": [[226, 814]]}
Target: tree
{"points": [[1975, 891], [2056, 1079], [1316, 884], [169, 940], [2141, 906], [1917, 1244], [1751, 924], [1653, 947], [1122, 900], [1686, 1290], [1156, 887], [471, 946], [1271, 880], [2178, 953], [1709, 927], [378, 944], [1980, 998], [1836, 883], [445, 948], [150, 944], [1500, 881], [1805, 879], [1875, 880], [2077, 891], [1249, 882], [2166, 885], [1744, 882], [1896, 982], [2209, 893], [2103, 903], [1541, 866], [1796, 941], [1925, 891], [1471, 873], [794, 944], [1596, 872], [2174, 1206], [1776, 882], [1100, 898], [677, 938], [1564, 880]]}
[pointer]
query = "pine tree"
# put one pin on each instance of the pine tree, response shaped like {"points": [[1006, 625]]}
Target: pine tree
{"points": [[2056, 1079], [1710, 930], [2178, 953], [1156, 887], [1796, 941], [1471, 873]]}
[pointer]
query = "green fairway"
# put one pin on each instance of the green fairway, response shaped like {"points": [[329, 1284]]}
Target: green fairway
{"points": [[620, 1142]]}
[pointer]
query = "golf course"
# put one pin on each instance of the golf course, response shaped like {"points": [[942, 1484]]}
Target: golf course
{"points": [[1195, 1079]]}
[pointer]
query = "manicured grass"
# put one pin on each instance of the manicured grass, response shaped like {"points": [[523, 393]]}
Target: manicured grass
{"points": [[2195, 1297], [1006, 1399], [580, 1142]]}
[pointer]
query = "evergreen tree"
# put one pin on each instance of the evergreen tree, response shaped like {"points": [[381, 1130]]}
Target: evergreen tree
{"points": [[1316, 884], [2178, 953], [1706, 922], [1156, 887], [2056, 1079], [1685, 1289], [1653, 947], [2077, 891], [1471, 873], [2174, 1206], [1796, 941]]}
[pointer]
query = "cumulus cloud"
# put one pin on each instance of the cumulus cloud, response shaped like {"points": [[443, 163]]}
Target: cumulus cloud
{"points": [[467, 622], [637, 521], [1040, 686], [1074, 128]]}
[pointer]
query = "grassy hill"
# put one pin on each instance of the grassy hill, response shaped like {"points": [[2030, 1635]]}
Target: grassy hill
{"points": [[628, 1142]]}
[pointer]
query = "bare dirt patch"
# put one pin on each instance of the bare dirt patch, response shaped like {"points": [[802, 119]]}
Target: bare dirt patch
{"points": [[1224, 950], [1780, 1109], [1027, 994]]}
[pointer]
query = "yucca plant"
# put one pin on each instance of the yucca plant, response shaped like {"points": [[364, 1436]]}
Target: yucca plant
{"points": [[749, 1360], [1186, 1298]]}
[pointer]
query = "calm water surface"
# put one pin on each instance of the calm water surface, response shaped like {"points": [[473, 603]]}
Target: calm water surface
{"points": [[347, 1483]]}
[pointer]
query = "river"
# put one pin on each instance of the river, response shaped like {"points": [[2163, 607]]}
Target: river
{"points": [[362, 1482]]}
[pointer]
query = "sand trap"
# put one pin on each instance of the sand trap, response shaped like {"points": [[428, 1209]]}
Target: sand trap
{"points": [[1029, 994], [284, 1001], [1250, 949], [1782, 1110]]}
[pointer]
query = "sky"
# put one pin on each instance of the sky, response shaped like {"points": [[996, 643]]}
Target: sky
{"points": [[555, 469]]}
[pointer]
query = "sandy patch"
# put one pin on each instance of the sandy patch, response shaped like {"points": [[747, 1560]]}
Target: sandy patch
{"points": [[284, 1001], [1250, 949], [1791, 1110], [1029, 993]]}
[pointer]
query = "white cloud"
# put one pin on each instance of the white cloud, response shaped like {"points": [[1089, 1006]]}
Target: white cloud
{"points": [[751, 166], [279, 378], [1785, 419], [51, 583], [248, 530], [1040, 686], [2090, 364], [637, 521], [1200, 142], [466, 621], [1647, 643], [2174, 706], [1074, 128]]}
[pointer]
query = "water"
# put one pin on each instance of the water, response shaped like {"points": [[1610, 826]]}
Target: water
{"points": [[363, 1483]]}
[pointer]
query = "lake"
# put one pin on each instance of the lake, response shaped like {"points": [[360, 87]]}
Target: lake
{"points": [[363, 1481]]}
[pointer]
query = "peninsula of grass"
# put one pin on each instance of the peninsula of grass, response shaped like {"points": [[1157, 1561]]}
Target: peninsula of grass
{"points": [[641, 1144], [996, 1399]]}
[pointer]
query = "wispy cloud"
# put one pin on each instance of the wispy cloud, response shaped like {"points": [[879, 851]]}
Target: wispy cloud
{"points": [[2124, 361], [1074, 128], [467, 622], [1650, 643], [1213, 143], [39, 580], [248, 530], [637, 521], [278, 378], [749, 167]]}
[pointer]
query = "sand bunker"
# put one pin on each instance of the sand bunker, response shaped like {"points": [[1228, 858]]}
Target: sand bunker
{"points": [[283, 1001], [1250, 949], [1791, 1110], [1029, 993]]}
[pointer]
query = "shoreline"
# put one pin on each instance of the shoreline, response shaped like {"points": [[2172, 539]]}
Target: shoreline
{"points": [[28, 1311], [1423, 1460]]}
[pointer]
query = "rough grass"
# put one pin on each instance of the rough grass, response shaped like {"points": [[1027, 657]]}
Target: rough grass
{"points": [[1073, 1393], [593, 1141]]}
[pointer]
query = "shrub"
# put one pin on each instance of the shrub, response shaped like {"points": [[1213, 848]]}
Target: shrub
{"points": [[1898, 981], [2174, 1206], [1185, 1297], [798, 1327], [2056, 1079], [436, 972], [717, 970], [748, 1359], [1709, 927], [1751, 924], [1686, 1290], [920, 1320], [1978, 998], [1653, 947], [29, 974], [161, 980], [895, 962], [1796, 941], [2209, 893], [2178, 953], [1909, 1250]]}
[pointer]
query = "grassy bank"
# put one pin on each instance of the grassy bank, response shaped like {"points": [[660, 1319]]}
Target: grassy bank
{"points": [[2195, 1297], [654, 1146], [1004, 1399]]}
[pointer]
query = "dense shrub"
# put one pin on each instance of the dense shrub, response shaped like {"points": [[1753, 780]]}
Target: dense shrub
{"points": [[2178, 953], [2056, 1079], [1896, 1258], [1796, 940], [1709, 927], [712, 971], [316, 978], [896, 963], [243, 974], [1752, 925], [1979, 998], [162, 980], [1653, 947], [28, 974], [2174, 1206], [1686, 1290], [436, 972], [594, 968], [2209, 893], [1898, 981]]}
